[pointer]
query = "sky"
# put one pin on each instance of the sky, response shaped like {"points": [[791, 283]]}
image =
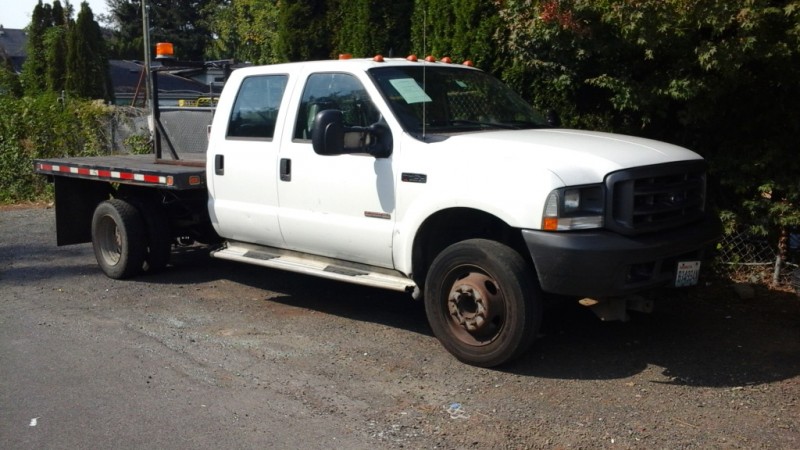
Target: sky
{"points": [[16, 14]]}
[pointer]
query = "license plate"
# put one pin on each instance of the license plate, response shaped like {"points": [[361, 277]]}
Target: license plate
{"points": [[687, 274]]}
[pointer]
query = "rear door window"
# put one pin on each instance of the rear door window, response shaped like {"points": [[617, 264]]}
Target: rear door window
{"points": [[256, 108]]}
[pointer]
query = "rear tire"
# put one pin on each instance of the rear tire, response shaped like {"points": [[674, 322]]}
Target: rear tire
{"points": [[118, 238], [483, 302]]}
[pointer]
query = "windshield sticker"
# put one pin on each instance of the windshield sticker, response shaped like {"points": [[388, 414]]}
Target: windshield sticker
{"points": [[410, 90]]}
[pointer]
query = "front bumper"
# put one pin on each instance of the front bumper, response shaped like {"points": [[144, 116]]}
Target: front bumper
{"points": [[606, 264]]}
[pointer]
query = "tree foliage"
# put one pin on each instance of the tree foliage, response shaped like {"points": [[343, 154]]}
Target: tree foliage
{"points": [[9, 81], [366, 28], [302, 30], [245, 30], [55, 40], [63, 54], [463, 30], [34, 70], [87, 59], [126, 42], [185, 23], [42, 127]]}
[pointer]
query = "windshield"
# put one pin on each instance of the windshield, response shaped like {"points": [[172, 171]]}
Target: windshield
{"points": [[451, 99]]}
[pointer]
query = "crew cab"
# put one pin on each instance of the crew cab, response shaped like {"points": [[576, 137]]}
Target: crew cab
{"points": [[424, 177]]}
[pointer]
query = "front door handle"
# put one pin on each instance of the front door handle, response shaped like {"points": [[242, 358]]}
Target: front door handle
{"points": [[219, 164], [286, 169]]}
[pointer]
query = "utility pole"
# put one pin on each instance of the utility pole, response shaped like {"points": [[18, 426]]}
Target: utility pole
{"points": [[147, 50]]}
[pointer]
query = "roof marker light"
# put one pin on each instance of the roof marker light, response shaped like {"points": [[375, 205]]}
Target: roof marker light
{"points": [[343, 56], [378, 58], [412, 58], [469, 63], [430, 58], [447, 60]]}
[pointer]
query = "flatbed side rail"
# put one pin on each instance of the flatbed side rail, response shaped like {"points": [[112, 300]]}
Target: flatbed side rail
{"points": [[125, 170]]}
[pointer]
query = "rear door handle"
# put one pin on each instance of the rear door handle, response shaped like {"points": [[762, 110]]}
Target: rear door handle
{"points": [[219, 164], [286, 169]]}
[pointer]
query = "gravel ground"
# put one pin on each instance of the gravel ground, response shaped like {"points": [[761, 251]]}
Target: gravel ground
{"points": [[211, 353]]}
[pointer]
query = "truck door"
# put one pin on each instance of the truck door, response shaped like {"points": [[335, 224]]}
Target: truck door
{"points": [[243, 163], [338, 206]]}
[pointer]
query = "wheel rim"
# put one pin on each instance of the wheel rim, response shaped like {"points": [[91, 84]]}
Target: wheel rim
{"points": [[109, 241], [475, 307]]}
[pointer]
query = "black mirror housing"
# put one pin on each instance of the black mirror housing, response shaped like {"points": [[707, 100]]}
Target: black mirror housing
{"points": [[327, 138]]}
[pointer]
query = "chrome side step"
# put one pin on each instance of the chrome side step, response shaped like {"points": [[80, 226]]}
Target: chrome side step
{"points": [[313, 265]]}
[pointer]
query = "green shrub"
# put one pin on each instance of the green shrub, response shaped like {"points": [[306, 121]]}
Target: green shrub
{"points": [[45, 127]]}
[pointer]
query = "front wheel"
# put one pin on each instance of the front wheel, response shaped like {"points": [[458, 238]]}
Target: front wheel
{"points": [[118, 238], [482, 302]]}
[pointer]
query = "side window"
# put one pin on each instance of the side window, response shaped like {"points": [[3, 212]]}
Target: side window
{"points": [[256, 108], [334, 91]]}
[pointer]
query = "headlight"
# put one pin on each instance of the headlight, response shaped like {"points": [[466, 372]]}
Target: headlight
{"points": [[574, 208]]}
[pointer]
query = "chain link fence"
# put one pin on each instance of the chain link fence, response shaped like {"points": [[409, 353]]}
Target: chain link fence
{"points": [[747, 257], [128, 130], [186, 127]]}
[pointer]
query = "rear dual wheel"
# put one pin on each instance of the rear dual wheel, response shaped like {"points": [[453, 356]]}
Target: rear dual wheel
{"points": [[482, 302]]}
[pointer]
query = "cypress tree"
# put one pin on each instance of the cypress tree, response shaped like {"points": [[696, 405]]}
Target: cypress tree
{"points": [[56, 43], [302, 31], [461, 30], [34, 70], [87, 63], [365, 27]]}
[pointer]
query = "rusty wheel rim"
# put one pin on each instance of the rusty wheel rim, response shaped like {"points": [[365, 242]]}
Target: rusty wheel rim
{"points": [[475, 307]]}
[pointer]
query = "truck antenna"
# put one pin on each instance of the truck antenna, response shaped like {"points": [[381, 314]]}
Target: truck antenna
{"points": [[424, 70]]}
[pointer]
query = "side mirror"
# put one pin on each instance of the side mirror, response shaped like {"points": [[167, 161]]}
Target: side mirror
{"points": [[328, 135], [331, 137]]}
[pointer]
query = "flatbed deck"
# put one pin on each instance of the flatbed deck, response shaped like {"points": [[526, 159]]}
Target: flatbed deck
{"points": [[141, 170]]}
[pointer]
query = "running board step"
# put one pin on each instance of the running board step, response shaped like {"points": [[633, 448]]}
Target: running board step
{"points": [[317, 266]]}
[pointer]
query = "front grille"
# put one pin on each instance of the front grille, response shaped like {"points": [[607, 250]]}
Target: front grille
{"points": [[654, 198]]}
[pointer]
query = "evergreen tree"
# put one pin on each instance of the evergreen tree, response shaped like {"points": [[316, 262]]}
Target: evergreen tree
{"points": [[184, 23], [87, 63], [432, 29], [34, 70], [366, 27], [126, 18], [56, 45], [303, 33], [461, 30]]}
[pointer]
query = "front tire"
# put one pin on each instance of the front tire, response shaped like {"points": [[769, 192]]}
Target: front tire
{"points": [[118, 238], [482, 302]]}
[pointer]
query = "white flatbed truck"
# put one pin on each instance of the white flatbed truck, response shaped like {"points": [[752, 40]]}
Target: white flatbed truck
{"points": [[423, 177]]}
